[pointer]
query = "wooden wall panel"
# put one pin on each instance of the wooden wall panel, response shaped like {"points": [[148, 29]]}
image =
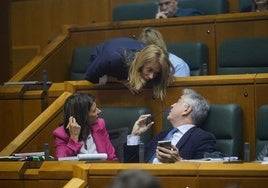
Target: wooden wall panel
{"points": [[11, 120], [17, 110], [37, 22]]}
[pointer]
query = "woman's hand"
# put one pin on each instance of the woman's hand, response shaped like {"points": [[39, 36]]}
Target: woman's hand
{"points": [[141, 125], [166, 155], [74, 129]]}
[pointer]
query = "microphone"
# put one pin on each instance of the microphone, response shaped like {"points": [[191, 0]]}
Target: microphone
{"points": [[44, 80]]}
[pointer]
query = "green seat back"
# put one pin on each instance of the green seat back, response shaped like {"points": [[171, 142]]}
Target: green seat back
{"points": [[118, 117], [262, 128], [243, 56], [195, 54], [207, 7], [135, 11], [245, 5], [79, 62]]}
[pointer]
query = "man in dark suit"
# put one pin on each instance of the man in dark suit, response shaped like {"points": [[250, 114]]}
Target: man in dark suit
{"points": [[188, 140], [170, 8]]}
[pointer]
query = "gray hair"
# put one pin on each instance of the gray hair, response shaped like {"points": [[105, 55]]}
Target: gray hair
{"points": [[135, 178], [200, 106]]}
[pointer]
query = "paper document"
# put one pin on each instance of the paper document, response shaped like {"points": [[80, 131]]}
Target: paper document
{"points": [[97, 156], [85, 157]]}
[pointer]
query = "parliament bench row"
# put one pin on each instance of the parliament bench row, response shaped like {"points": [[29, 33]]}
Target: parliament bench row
{"points": [[224, 121], [148, 9], [236, 56]]}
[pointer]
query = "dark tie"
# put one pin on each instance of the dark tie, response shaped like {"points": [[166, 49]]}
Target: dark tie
{"points": [[168, 137]]}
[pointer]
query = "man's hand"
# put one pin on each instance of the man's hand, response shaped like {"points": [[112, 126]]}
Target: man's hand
{"points": [[161, 15], [165, 155], [141, 125]]}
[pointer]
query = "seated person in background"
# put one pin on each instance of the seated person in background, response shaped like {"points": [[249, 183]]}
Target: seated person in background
{"points": [[188, 140], [260, 5], [263, 153], [131, 63], [82, 131], [135, 178], [152, 36], [170, 8]]}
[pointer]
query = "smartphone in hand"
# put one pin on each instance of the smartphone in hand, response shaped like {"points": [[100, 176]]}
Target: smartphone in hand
{"points": [[165, 144]]}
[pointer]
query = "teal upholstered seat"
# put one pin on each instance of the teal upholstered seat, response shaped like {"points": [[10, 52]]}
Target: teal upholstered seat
{"points": [[262, 128], [245, 5], [243, 55], [79, 62], [207, 7], [135, 11], [225, 122], [119, 123], [195, 54]]}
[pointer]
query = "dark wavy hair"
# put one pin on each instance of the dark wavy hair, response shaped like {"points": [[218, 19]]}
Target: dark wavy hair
{"points": [[78, 105]]}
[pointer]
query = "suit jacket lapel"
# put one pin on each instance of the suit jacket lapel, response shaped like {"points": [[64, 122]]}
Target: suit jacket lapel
{"points": [[185, 137]]}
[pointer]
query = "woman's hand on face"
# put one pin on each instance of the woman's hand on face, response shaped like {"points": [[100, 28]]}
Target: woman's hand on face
{"points": [[141, 125], [74, 128]]}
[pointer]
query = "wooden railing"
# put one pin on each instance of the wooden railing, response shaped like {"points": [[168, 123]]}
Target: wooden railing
{"points": [[175, 175], [211, 30], [249, 91]]}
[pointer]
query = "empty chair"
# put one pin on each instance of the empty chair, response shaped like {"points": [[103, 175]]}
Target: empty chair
{"points": [[225, 122], [195, 54], [245, 5], [243, 55], [79, 62], [135, 11], [207, 7], [262, 129], [119, 123]]}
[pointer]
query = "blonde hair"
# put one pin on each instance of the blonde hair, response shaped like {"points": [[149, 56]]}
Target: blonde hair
{"points": [[151, 53], [152, 36]]}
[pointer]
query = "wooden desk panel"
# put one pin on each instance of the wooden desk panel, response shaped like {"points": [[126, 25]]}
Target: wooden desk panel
{"points": [[246, 175], [170, 175], [238, 182], [57, 169], [167, 182], [177, 175], [261, 91]]}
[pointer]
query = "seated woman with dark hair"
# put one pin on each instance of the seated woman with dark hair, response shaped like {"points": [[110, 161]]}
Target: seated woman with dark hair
{"points": [[82, 131]]}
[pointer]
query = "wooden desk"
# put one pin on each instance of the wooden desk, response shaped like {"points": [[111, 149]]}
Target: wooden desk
{"points": [[54, 174], [171, 175], [178, 175], [184, 174], [246, 175], [11, 174]]}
